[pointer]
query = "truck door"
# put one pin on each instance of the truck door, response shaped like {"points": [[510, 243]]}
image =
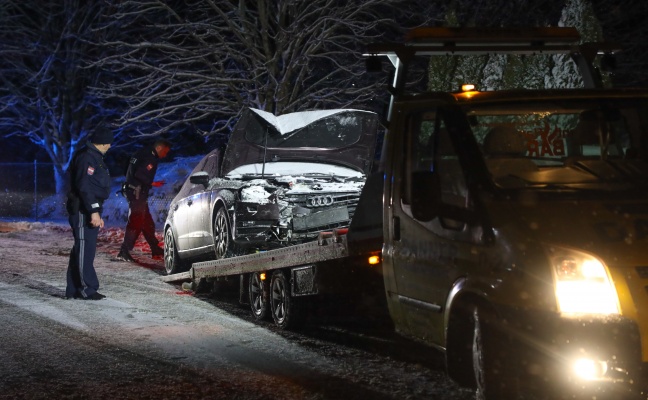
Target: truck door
{"points": [[429, 256]]}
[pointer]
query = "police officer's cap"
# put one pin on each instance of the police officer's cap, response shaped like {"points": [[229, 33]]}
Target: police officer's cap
{"points": [[102, 135]]}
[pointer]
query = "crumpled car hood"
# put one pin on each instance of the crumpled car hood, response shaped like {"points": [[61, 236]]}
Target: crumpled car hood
{"points": [[343, 137], [260, 190]]}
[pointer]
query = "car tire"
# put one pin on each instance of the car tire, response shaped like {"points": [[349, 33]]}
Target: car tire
{"points": [[221, 233], [172, 262], [282, 305], [494, 379], [258, 293]]}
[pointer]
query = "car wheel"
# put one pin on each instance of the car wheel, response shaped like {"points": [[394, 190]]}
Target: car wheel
{"points": [[492, 377], [258, 292], [284, 311], [221, 233], [172, 262]]}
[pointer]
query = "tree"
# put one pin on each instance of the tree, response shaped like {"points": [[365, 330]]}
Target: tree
{"points": [[496, 72], [46, 93], [196, 64], [624, 22]]}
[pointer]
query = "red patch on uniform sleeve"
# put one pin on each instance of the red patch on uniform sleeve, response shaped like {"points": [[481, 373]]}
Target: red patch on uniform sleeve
{"points": [[149, 167], [90, 171]]}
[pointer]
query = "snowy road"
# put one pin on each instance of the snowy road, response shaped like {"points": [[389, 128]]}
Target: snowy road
{"points": [[149, 339]]}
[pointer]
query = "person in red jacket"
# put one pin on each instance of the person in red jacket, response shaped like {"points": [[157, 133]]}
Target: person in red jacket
{"points": [[139, 180], [89, 188]]}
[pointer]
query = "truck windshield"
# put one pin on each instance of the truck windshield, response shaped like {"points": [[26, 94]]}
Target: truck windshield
{"points": [[577, 144]]}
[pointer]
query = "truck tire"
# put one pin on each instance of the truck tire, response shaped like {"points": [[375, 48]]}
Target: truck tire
{"points": [[283, 307], [494, 377], [172, 262], [221, 233], [258, 293]]}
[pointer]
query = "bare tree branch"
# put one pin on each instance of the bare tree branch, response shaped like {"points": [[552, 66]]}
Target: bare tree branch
{"points": [[45, 91], [212, 58]]}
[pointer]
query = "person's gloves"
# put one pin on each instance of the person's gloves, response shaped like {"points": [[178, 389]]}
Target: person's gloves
{"points": [[158, 183]]}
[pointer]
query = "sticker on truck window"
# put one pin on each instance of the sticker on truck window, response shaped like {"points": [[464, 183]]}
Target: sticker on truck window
{"points": [[546, 142]]}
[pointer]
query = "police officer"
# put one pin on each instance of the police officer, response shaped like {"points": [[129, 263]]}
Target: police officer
{"points": [[139, 180], [89, 188]]}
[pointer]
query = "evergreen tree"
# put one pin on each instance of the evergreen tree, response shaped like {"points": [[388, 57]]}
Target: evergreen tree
{"points": [[497, 72], [580, 15]]}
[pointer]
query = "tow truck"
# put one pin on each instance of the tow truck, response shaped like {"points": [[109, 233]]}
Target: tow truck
{"points": [[513, 226]]}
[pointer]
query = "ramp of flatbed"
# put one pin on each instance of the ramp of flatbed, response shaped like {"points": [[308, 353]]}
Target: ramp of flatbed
{"points": [[182, 276]]}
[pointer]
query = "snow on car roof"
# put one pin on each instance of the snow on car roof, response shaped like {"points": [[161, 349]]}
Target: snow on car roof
{"points": [[290, 122]]}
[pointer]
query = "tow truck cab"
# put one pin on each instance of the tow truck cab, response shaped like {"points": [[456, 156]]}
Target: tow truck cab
{"points": [[516, 230]]}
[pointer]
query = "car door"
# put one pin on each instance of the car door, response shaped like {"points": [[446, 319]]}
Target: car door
{"points": [[429, 256], [186, 217], [202, 205]]}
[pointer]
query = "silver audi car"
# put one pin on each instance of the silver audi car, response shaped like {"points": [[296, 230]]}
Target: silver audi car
{"points": [[281, 180]]}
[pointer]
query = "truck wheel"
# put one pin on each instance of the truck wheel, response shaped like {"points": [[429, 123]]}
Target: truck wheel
{"points": [[221, 233], [258, 292], [282, 305], [172, 262], [493, 376]]}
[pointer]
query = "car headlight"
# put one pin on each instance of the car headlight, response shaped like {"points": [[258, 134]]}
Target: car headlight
{"points": [[583, 284]]}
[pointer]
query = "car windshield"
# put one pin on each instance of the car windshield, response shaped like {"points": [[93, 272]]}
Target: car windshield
{"points": [[332, 131], [576, 144]]}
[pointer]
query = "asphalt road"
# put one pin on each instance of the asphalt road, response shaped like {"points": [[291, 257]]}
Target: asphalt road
{"points": [[150, 339]]}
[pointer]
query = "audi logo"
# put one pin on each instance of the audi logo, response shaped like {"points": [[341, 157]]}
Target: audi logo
{"points": [[319, 201]]}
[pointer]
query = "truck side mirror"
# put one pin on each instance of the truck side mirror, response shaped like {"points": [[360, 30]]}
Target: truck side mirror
{"points": [[424, 195], [200, 178]]}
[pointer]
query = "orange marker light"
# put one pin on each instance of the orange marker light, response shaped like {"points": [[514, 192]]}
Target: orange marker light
{"points": [[262, 276], [373, 260], [467, 87]]}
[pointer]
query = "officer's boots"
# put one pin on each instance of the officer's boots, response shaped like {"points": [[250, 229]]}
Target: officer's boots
{"points": [[124, 255]]}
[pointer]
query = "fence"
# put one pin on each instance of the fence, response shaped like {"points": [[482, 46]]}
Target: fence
{"points": [[28, 191], [24, 186]]}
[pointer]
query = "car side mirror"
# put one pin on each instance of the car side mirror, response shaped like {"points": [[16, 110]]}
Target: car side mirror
{"points": [[200, 178], [425, 195]]}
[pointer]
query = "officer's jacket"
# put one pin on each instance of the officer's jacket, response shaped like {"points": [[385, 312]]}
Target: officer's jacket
{"points": [[90, 178], [142, 168]]}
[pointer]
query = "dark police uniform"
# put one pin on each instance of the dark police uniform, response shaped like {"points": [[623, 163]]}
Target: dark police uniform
{"points": [[139, 180], [90, 187]]}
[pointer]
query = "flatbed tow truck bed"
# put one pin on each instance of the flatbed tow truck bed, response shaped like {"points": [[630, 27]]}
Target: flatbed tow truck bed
{"points": [[281, 283], [328, 246]]}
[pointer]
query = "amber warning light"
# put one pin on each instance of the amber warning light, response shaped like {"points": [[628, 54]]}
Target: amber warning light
{"points": [[373, 260], [467, 87]]}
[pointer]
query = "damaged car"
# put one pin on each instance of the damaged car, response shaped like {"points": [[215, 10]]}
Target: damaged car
{"points": [[281, 180]]}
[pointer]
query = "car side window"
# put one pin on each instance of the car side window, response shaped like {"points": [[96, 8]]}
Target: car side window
{"points": [[419, 136], [429, 148], [454, 190], [211, 165], [188, 187]]}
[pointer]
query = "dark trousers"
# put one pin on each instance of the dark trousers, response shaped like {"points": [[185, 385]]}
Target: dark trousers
{"points": [[81, 276], [139, 221]]}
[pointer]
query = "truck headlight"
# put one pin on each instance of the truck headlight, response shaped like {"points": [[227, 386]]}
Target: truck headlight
{"points": [[583, 284]]}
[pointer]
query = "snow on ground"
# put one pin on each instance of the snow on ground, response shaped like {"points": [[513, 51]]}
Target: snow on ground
{"points": [[151, 340]]}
